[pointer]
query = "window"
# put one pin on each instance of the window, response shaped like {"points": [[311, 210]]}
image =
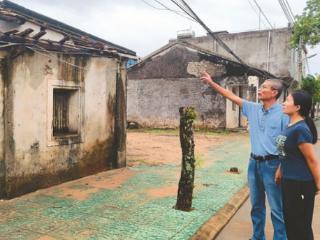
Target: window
{"points": [[65, 119]]}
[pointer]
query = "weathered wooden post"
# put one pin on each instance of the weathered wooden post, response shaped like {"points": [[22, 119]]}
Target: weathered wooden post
{"points": [[184, 198]]}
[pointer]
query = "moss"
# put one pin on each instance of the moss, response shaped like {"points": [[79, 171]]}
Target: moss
{"points": [[199, 161]]}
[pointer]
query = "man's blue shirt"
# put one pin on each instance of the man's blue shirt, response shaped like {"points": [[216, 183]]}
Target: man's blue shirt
{"points": [[264, 126]]}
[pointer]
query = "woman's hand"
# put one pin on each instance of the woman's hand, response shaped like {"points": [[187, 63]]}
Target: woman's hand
{"points": [[313, 164], [318, 189], [277, 176]]}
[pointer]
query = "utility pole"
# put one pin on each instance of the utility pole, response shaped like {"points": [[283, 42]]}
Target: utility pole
{"points": [[299, 70], [259, 19]]}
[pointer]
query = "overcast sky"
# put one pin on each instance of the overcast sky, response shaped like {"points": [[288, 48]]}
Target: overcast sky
{"points": [[136, 25]]}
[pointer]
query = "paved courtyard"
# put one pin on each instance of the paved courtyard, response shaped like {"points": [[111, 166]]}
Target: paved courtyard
{"points": [[131, 203]]}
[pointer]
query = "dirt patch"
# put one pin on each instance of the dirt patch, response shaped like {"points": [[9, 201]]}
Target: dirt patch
{"points": [[89, 185], [157, 149], [45, 238], [107, 181], [76, 194], [154, 148], [167, 191], [142, 148]]}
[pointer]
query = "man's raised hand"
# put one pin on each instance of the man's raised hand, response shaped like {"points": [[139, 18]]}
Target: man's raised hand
{"points": [[206, 78]]}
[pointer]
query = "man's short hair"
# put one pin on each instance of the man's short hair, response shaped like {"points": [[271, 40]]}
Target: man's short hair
{"points": [[276, 84]]}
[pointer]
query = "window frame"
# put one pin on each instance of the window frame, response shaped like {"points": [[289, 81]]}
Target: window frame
{"points": [[68, 138]]}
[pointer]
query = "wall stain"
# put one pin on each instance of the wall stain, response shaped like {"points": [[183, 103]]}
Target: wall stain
{"points": [[48, 70], [72, 68], [75, 158], [98, 157]]}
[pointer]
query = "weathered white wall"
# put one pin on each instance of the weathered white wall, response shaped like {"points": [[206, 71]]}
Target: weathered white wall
{"points": [[232, 110], [156, 102], [32, 153]]}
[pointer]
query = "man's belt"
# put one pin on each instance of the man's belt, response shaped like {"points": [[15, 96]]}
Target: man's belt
{"points": [[264, 158]]}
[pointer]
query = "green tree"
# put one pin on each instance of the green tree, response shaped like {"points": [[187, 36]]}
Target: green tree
{"points": [[311, 84], [307, 25]]}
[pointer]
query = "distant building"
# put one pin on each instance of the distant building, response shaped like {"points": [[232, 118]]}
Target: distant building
{"points": [[62, 99], [266, 49], [169, 78]]}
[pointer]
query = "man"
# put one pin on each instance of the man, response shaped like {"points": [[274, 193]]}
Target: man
{"points": [[266, 122]]}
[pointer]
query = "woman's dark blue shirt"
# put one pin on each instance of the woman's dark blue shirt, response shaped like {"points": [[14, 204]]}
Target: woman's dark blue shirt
{"points": [[294, 165]]}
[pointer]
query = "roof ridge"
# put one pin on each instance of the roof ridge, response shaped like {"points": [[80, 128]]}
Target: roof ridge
{"points": [[55, 24]]}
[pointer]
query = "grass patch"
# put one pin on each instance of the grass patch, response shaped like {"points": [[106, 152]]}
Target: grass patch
{"points": [[139, 161], [159, 131], [175, 132], [199, 161]]}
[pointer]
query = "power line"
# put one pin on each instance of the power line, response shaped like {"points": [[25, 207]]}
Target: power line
{"points": [[165, 8], [222, 44], [188, 10], [263, 14], [258, 14], [287, 10], [172, 10], [184, 9], [284, 9], [290, 9], [150, 5]]}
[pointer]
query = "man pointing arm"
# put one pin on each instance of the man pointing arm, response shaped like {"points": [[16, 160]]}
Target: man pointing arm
{"points": [[266, 122], [224, 92]]}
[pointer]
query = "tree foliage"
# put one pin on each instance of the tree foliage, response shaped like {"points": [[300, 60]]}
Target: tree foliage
{"points": [[311, 84], [307, 25]]}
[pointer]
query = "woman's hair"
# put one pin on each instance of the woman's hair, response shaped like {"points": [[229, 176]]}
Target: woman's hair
{"points": [[304, 100]]}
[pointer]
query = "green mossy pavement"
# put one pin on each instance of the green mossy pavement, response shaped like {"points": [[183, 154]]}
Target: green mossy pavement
{"points": [[129, 211]]}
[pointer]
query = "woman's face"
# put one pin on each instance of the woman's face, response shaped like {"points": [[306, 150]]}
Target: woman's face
{"points": [[288, 106]]}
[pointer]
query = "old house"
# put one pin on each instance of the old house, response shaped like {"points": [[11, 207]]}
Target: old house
{"points": [[169, 78], [62, 102]]}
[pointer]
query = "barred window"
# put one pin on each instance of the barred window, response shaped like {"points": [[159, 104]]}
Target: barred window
{"points": [[65, 119]]}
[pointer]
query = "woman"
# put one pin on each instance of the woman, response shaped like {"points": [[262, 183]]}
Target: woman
{"points": [[300, 171]]}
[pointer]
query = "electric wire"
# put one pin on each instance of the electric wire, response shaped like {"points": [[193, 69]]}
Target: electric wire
{"points": [[182, 5], [263, 14], [184, 9], [287, 10], [173, 10], [165, 8], [258, 14], [284, 10], [290, 9], [222, 44]]}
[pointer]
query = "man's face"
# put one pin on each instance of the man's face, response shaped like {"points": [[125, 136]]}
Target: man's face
{"points": [[266, 91]]}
